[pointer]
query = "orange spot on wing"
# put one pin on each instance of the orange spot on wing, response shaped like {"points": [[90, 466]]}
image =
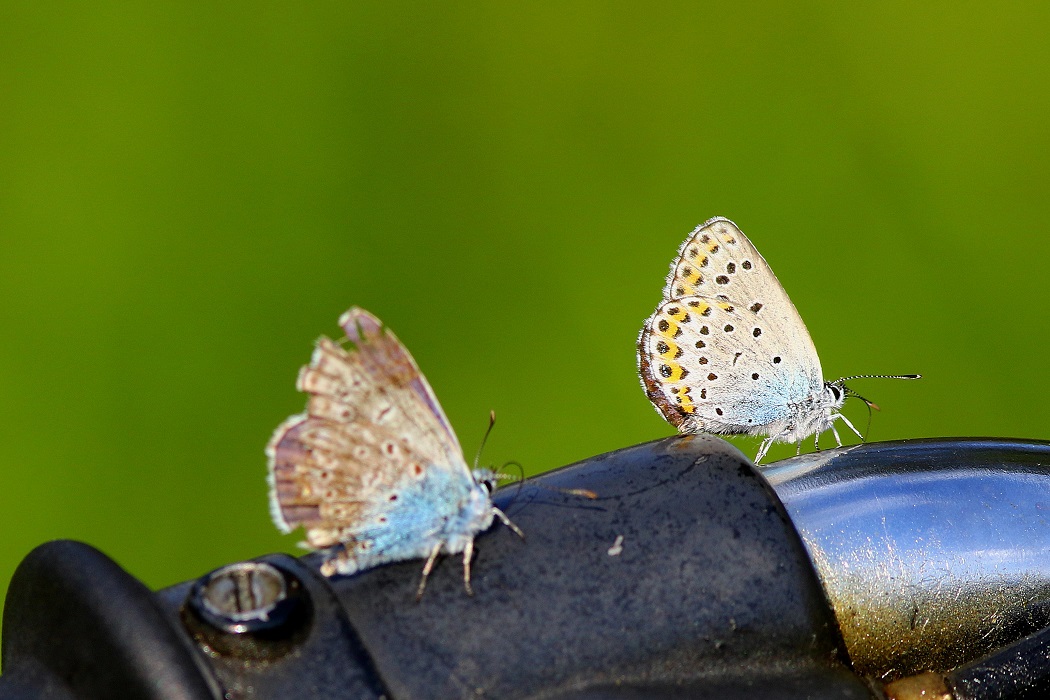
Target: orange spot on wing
{"points": [[670, 352], [685, 401], [666, 328], [677, 373]]}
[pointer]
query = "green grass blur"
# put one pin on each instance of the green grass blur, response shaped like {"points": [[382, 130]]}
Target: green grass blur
{"points": [[190, 195]]}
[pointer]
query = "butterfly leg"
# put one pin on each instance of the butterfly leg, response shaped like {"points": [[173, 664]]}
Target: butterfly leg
{"points": [[846, 421], [468, 553], [816, 442], [798, 448], [427, 568], [506, 521], [763, 448], [332, 564], [834, 432]]}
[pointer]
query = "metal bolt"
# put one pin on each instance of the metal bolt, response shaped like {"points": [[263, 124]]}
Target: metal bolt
{"points": [[244, 593], [249, 609]]}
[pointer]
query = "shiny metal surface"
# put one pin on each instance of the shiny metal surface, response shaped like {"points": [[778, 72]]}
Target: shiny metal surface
{"points": [[932, 552]]}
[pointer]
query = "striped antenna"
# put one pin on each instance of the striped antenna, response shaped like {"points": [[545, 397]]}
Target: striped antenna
{"points": [[878, 376]]}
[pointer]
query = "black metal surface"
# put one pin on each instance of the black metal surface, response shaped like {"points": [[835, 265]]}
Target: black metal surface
{"points": [[712, 596], [1020, 671]]}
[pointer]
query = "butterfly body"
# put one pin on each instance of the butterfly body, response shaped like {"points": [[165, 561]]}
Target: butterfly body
{"points": [[422, 522], [372, 470], [726, 351]]}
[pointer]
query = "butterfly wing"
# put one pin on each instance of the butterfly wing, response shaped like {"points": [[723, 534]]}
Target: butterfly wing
{"points": [[719, 280], [352, 467], [718, 260], [382, 356], [708, 366]]}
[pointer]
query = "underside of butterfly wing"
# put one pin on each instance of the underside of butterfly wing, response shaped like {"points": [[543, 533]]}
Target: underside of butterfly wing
{"points": [[706, 366], [383, 355], [726, 351], [372, 465], [717, 260]]}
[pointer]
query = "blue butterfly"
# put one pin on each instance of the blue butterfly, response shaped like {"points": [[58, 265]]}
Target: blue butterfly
{"points": [[372, 470]]}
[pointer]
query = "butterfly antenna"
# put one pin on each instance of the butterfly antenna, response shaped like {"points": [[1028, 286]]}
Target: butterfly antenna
{"points": [[869, 404], [488, 431], [521, 471], [582, 493], [521, 477], [878, 376]]}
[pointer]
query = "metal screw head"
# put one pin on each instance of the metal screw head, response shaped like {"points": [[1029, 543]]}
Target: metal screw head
{"points": [[243, 595], [248, 609]]}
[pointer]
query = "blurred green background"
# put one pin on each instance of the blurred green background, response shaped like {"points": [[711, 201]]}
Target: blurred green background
{"points": [[191, 194]]}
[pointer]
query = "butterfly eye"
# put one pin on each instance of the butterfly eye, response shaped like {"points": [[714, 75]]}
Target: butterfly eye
{"points": [[835, 391]]}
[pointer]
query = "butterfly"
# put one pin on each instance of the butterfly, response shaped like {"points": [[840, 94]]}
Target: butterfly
{"points": [[727, 352], [372, 470]]}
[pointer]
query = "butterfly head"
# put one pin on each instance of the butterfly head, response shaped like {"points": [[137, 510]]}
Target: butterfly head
{"points": [[836, 393], [487, 479]]}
